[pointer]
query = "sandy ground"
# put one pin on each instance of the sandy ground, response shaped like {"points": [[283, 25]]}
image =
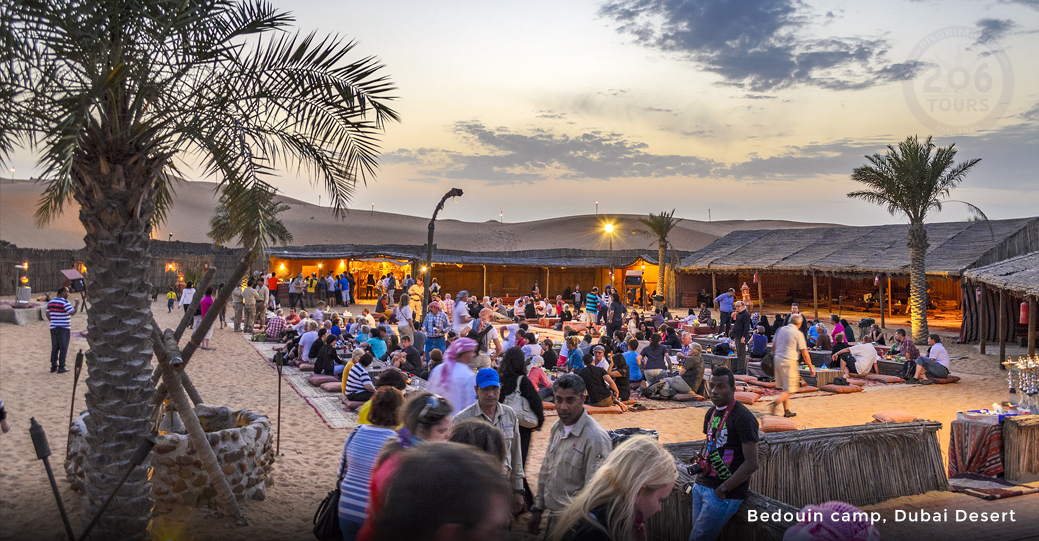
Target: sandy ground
{"points": [[310, 224], [235, 376]]}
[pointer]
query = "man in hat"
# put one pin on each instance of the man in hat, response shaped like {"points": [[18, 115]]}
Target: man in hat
{"points": [[436, 325], [488, 409]]}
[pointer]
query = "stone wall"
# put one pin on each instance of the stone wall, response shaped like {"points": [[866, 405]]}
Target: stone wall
{"points": [[241, 439]]}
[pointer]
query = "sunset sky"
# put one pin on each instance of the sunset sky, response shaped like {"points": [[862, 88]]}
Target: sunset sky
{"points": [[752, 108]]}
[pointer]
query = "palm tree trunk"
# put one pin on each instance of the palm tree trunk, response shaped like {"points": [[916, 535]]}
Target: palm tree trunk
{"points": [[918, 280], [117, 205], [661, 245]]}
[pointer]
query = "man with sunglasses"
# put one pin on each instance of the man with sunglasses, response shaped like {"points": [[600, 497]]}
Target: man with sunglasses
{"points": [[577, 447]]}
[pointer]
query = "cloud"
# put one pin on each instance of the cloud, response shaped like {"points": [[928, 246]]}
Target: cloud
{"points": [[551, 114], [1034, 4], [993, 29], [502, 156], [758, 45]]}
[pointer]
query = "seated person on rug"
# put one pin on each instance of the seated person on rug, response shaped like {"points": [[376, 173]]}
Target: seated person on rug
{"points": [[864, 359], [704, 317], [602, 390], [689, 378], [823, 341], [275, 329], [407, 358], [875, 335], [758, 343], [389, 378], [936, 364], [327, 357], [839, 344], [359, 386], [621, 375]]}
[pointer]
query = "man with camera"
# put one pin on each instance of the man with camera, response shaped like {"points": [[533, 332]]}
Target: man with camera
{"points": [[727, 460]]}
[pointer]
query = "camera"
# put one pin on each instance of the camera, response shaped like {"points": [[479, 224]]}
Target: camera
{"points": [[694, 469]]}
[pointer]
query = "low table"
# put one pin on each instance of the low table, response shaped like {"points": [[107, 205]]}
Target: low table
{"points": [[825, 376]]}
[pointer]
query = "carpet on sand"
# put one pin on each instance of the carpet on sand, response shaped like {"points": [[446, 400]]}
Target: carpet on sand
{"points": [[988, 488]]}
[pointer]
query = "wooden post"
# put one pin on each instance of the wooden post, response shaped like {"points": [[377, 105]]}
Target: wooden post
{"points": [[983, 319], [1002, 326], [485, 280], [815, 294], [714, 290], [890, 295], [761, 300], [882, 322], [1031, 326], [546, 283]]}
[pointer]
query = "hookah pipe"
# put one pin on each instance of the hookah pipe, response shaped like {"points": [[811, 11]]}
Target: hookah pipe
{"points": [[72, 409], [39, 442]]}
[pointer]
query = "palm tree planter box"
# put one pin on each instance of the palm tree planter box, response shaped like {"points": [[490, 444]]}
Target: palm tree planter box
{"points": [[241, 440]]}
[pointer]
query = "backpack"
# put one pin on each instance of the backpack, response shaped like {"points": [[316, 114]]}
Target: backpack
{"points": [[721, 349], [481, 337], [908, 370]]}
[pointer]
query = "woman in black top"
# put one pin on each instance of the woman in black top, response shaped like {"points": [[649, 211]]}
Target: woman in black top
{"points": [[512, 370], [327, 357], [839, 343], [847, 330], [777, 324], [621, 374]]}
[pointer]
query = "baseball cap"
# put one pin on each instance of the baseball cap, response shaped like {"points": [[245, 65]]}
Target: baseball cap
{"points": [[487, 377]]}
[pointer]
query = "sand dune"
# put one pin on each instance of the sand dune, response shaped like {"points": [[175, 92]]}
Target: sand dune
{"points": [[311, 224]]}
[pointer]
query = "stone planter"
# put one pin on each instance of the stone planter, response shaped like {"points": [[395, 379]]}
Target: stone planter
{"points": [[242, 442]]}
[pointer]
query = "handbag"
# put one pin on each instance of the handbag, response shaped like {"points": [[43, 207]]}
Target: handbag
{"points": [[326, 519], [524, 415]]}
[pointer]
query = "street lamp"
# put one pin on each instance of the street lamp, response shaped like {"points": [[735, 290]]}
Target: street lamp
{"points": [[609, 232]]}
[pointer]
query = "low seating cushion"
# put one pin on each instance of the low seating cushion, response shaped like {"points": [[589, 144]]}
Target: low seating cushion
{"points": [[687, 397], [855, 381], [842, 389], [744, 377], [352, 405], [317, 379], [885, 379], [747, 398], [593, 410], [548, 406], [942, 381], [765, 384], [894, 416], [332, 386], [306, 367], [775, 423], [807, 389]]}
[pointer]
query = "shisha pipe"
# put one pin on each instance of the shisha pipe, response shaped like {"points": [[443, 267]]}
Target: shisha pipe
{"points": [[72, 409], [279, 359], [43, 450]]}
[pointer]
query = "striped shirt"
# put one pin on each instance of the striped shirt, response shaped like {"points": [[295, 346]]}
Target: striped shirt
{"points": [[360, 452], [357, 378], [60, 311]]}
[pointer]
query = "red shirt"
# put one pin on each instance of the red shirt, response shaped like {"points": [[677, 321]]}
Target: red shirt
{"points": [[272, 283]]}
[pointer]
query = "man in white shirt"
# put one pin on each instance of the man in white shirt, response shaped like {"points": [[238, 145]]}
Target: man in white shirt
{"points": [[865, 359], [513, 329], [306, 341], [935, 365], [492, 340], [460, 313]]}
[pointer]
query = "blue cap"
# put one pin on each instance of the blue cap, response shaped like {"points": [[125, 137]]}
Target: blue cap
{"points": [[487, 377]]}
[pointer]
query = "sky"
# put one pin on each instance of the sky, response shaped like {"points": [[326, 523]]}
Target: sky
{"points": [[728, 109]]}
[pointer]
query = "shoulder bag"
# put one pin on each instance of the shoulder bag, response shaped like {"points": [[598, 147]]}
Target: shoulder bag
{"points": [[524, 414], [326, 519]]}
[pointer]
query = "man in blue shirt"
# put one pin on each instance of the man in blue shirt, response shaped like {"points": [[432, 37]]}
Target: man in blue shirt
{"points": [[631, 357], [59, 312], [725, 306]]}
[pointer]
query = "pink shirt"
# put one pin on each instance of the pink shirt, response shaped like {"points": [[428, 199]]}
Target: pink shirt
{"points": [[539, 379], [837, 330], [204, 304]]}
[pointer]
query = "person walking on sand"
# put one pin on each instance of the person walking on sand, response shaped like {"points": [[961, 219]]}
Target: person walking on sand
{"points": [[171, 299], [187, 295], [60, 312], [789, 347]]}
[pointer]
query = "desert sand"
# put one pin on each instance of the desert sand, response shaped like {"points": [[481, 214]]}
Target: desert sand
{"points": [[235, 375], [311, 224]]}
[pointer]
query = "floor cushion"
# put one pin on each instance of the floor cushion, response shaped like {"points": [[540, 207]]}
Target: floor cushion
{"points": [[885, 378], [747, 398], [894, 416], [352, 405], [317, 379], [855, 381], [942, 381], [765, 384], [593, 410], [548, 406], [306, 367], [687, 397], [745, 377], [775, 423], [807, 389], [332, 386], [842, 389]]}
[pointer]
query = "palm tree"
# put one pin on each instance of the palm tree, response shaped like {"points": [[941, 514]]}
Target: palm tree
{"points": [[109, 94], [912, 180], [660, 226]]}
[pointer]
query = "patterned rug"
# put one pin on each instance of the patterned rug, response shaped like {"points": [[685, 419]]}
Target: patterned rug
{"points": [[988, 488], [327, 405]]}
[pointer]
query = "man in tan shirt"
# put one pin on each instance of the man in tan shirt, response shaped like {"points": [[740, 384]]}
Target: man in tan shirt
{"points": [[577, 447], [488, 409], [249, 299]]}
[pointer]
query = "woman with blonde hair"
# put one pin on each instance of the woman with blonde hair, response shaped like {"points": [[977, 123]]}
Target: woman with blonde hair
{"points": [[628, 489]]}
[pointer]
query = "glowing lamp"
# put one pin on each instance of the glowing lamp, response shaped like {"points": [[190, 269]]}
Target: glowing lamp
{"points": [[609, 228], [281, 267], [319, 265], [423, 268]]}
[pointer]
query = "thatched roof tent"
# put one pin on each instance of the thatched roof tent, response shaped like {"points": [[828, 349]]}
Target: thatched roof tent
{"points": [[1019, 274], [559, 257], [954, 248]]}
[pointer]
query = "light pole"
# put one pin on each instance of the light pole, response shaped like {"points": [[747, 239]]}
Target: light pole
{"points": [[609, 233], [12, 174], [597, 208], [501, 217]]}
